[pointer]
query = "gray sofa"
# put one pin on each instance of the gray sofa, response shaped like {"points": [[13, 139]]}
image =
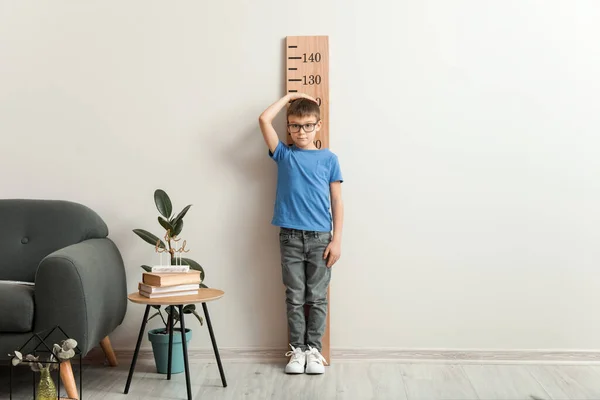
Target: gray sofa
{"points": [[77, 271]]}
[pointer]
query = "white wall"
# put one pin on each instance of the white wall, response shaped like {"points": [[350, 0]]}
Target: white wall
{"points": [[467, 133]]}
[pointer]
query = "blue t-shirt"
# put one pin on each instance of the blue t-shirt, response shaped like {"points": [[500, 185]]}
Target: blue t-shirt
{"points": [[303, 199]]}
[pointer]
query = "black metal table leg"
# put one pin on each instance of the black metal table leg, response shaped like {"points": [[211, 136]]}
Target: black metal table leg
{"points": [[137, 349], [185, 354], [170, 327], [214, 344]]}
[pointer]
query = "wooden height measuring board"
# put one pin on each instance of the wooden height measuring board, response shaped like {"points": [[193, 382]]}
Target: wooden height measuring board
{"points": [[307, 71]]}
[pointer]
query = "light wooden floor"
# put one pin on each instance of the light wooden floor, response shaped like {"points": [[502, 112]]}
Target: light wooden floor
{"points": [[352, 380]]}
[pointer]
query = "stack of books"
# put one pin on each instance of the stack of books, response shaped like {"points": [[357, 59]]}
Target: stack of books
{"points": [[166, 281]]}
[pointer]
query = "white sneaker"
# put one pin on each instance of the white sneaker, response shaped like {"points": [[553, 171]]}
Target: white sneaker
{"points": [[297, 361], [314, 361]]}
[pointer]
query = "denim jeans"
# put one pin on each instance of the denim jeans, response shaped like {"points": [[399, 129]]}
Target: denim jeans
{"points": [[306, 278]]}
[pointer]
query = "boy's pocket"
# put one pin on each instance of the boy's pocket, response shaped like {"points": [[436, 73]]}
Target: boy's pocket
{"points": [[284, 238], [322, 170], [324, 237]]}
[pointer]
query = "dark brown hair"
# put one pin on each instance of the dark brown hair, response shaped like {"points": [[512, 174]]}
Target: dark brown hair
{"points": [[304, 108]]}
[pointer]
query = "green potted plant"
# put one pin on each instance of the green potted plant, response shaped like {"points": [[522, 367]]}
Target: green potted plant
{"points": [[173, 225]]}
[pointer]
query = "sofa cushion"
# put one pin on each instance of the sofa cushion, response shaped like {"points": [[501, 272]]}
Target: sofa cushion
{"points": [[16, 308]]}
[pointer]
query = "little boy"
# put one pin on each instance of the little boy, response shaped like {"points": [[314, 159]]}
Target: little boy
{"points": [[308, 202]]}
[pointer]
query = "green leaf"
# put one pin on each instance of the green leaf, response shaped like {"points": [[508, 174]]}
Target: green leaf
{"points": [[178, 228], [190, 308], [172, 310], [181, 214], [149, 237], [146, 268], [194, 265], [199, 317], [165, 224], [163, 203], [202, 285]]}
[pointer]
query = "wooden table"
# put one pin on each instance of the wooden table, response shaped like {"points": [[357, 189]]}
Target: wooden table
{"points": [[204, 295]]}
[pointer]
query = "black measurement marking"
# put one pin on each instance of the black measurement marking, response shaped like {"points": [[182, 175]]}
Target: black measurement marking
{"points": [[295, 58], [318, 101], [292, 69], [292, 91], [295, 80], [292, 47], [318, 144]]}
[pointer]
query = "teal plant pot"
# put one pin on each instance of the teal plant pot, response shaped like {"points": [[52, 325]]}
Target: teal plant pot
{"points": [[160, 348]]}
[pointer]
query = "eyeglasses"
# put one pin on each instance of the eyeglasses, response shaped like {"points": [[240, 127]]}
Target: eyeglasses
{"points": [[295, 128]]}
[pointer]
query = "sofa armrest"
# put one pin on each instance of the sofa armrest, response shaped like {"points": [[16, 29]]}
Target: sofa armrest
{"points": [[83, 289]]}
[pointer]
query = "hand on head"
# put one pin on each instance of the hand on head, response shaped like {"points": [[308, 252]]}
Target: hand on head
{"points": [[296, 96]]}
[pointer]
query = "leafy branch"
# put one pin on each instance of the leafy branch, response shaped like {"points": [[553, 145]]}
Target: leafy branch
{"points": [[173, 225]]}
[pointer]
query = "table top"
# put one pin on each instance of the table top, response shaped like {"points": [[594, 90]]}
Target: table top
{"points": [[204, 295]]}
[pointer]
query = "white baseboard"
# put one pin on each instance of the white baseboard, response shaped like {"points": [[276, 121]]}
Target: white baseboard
{"points": [[575, 357]]}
